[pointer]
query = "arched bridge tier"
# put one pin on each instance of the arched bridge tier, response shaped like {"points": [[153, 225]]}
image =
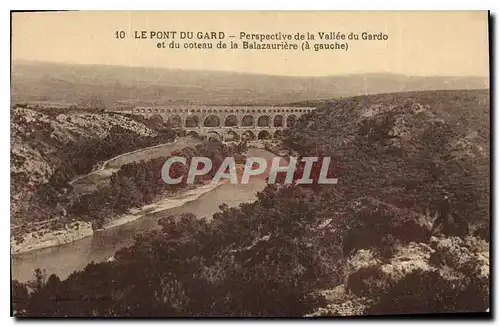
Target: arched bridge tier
{"points": [[237, 134], [238, 121]]}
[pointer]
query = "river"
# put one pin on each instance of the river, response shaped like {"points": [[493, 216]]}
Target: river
{"points": [[64, 259]]}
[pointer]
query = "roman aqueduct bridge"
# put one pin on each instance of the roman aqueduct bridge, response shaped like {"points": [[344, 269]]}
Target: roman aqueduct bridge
{"points": [[227, 122]]}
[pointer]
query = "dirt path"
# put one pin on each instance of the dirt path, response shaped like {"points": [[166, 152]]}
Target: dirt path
{"points": [[103, 165], [176, 145]]}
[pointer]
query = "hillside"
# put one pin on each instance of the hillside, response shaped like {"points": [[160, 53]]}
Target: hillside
{"points": [[405, 230], [117, 86], [414, 195], [406, 147], [50, 149]]}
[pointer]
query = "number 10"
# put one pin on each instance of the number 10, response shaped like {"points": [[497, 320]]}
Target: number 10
{"points": [[120, 34]]}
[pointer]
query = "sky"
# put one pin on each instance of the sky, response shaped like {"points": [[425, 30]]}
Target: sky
{"points": [[419, 43]]}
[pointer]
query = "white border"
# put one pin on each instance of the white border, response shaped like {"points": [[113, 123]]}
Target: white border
{"points": [[185, 5]]}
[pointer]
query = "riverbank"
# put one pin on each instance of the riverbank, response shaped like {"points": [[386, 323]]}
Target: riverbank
{"points": [[79, 229], [42, 239], [166, 203]]}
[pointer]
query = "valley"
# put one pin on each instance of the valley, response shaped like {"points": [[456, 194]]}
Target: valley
{"points": [[89, 182]]}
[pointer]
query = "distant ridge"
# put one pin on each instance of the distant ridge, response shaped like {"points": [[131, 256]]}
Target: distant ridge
{"points": [[129, 86]]}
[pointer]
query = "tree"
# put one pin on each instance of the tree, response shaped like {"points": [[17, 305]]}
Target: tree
{"points": [[20, 298]]}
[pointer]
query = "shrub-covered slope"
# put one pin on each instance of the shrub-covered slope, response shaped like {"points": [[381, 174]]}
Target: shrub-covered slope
{"points": [[52, 148], [412, 197], [407, 149]]}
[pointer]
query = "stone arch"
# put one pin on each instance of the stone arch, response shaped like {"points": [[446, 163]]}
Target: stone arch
{"points": [[247, 120], [278, 121], [193, 134], [214, 135], [291, 120], [248, 136], [264, 121], [231, 120], [278, 134], [192, 121], [264, 135], [175, 121], [211, 121], [232, 136], [157, 118]]}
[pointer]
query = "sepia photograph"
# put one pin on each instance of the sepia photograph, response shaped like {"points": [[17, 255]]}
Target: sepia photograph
{"points": [[242, 164]]}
